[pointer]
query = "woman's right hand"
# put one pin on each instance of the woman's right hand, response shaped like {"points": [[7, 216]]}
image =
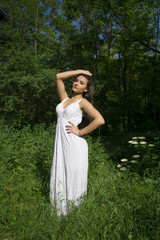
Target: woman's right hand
{"points": [[86, 72]]}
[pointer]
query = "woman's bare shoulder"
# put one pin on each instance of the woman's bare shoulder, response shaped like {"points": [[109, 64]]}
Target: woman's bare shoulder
{"points": [[91, 111], [85, 103]]}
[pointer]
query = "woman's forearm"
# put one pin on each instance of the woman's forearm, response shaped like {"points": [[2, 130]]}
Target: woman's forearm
{"points": [[92, 126], [68, 74]]}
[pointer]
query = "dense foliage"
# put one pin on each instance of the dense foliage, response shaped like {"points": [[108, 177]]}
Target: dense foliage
{"points": [[118, 41], [119, 205]]}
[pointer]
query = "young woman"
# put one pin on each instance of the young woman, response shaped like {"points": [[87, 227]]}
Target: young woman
{"points": [[68, 181]]}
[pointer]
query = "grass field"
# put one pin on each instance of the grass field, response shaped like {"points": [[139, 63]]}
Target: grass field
{"points": [[119, 205]]}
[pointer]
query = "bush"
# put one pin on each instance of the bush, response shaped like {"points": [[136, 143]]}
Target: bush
{"points": [[117, 205]]}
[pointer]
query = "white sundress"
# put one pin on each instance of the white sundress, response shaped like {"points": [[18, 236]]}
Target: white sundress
{"points": [[68, 180]]}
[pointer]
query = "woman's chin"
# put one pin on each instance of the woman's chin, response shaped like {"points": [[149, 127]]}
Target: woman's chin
{"points": [[74, 90]]}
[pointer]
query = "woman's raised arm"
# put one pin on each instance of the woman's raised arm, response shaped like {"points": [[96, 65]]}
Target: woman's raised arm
{"points": [[60, 77]]}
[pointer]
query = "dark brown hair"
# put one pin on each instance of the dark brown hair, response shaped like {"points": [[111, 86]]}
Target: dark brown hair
{"points": [[89, 96]]}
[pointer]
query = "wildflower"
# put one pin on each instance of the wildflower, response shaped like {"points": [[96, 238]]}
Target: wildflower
{"points": [[141, 138], [150, 145], [119, 165], [136, 156], [124, 160], [134, 142], [148, 180], [123, 168], [142, 142], [133, 161], [119, 174], [134, 138], [130, 141]]}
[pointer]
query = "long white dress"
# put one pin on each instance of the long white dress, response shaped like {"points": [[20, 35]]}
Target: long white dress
{"points": [[68, 180]]}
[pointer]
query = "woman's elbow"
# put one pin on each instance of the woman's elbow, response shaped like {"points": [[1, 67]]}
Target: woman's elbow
{"points": [[101, 121], [57, 76]]}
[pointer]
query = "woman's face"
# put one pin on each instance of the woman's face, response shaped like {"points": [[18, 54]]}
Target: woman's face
{"points": [[80, 85]]}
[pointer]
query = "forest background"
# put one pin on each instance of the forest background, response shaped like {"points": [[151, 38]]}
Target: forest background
{"points": [[118, 41]]}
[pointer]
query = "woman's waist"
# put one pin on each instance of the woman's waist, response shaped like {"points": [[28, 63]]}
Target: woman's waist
{"points": [[62, 120]]}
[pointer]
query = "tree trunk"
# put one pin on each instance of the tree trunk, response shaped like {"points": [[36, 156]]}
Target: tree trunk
{"points": [[155, 73], [124, 85], [36, 31]]}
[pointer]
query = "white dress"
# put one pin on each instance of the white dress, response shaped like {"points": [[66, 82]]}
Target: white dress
{"points": [[68, 181]]}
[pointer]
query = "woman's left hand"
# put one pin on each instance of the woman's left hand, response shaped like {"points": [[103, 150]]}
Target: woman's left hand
{"points": [[72, 129]]}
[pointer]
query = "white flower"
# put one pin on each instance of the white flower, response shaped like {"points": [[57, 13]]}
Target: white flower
{"points": [[141, 138], [130, 141], [134, 138], [119, 165], [133, 161], [124, 160], [150, 145], [123, 168], [136, 156], [142, 142], [134, 142], [148, 180]]}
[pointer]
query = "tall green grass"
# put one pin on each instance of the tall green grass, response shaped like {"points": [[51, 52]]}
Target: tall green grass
{"points": [[118, 205]]}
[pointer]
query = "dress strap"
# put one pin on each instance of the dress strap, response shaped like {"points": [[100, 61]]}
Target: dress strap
{"points": [[80, 100]]}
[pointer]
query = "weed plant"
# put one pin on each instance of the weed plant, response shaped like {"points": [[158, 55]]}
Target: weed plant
{"points": [[118, 205], [142, 157]]}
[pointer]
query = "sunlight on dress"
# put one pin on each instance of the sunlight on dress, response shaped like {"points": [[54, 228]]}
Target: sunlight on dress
{"points": [[68, 180]]}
